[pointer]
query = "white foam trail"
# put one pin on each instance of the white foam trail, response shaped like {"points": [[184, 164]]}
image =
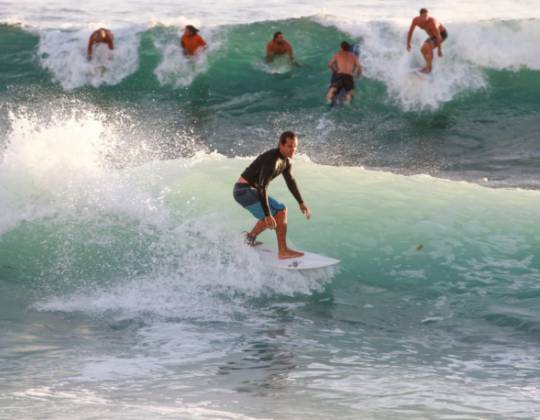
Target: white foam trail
{"points": [[200, 267], [64, 54]]}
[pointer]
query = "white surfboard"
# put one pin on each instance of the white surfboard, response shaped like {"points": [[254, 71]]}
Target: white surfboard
{"points": [[309, 261]]}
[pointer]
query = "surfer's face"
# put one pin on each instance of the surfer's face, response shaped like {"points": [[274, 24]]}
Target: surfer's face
{"points": [[279, 39], [289, 149]]}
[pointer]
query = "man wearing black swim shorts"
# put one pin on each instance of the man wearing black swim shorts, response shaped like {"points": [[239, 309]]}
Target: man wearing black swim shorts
{"points": [[250, 191], [344, 64], [437, 34]]}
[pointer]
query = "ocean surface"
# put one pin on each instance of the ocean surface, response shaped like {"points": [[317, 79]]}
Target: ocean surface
{"points": [[125, 289]]}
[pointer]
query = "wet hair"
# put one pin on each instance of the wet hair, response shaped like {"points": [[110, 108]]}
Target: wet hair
{"points": [[285, 136], [423, 10], [278, 33], [192, 29], [346, 46]]}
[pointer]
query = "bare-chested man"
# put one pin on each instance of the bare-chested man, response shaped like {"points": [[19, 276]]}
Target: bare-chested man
{"points": [[279, 46], [437, 34], [101, 35], [344, 64]]}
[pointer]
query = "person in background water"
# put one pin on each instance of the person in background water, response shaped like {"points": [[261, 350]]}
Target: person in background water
{"points": [[279, 46], [191, 41], [344, 65], [437, 34], [250, 191], [101, 35]]}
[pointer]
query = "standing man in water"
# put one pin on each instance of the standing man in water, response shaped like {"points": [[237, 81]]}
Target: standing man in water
{"points": [[279, 46], [103, 36], [437, 34], [344, 65], [191, 41], [250, 191]]}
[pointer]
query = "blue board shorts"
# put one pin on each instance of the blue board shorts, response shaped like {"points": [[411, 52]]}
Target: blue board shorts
{"points": [[248, 198]]}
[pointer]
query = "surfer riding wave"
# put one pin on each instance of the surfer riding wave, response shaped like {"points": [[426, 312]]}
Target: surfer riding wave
{"points": [[250, 191]]}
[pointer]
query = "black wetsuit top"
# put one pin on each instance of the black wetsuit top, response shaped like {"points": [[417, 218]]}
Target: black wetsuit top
{"points": [[264, 169]]}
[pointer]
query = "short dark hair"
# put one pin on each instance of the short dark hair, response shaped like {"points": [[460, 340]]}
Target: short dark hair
{"points": [[423, 10], [285, 136], [278, 33], [346, 46]]}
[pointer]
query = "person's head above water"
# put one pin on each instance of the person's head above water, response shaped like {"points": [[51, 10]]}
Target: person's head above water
{"points": [[190, 30], [423, 14], [278, 37], [345, 46], [288, 143]]}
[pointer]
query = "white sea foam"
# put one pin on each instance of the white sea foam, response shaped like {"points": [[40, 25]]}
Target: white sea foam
{"points": [[63, 53]]}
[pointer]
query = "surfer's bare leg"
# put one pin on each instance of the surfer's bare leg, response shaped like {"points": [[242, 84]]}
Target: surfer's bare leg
{"points": [[427, 52], [349, 96], [281, 233], [330, 94]]}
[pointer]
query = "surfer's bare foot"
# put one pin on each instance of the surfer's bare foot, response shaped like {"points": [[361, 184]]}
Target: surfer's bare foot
{"points": [[425, 70], [289, 253]]}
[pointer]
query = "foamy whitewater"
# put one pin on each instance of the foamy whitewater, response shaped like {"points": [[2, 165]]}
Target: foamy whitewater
{"points": [[126, 291]]}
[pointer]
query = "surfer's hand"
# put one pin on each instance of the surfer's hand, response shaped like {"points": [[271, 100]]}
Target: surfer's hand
{"points": [[305, 210], [270, 222]]}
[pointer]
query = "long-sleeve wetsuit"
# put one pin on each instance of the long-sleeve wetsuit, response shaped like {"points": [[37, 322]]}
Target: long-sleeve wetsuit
{"points": [[264, 169]]}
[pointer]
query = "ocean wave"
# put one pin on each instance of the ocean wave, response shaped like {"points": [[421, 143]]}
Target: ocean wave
{"points": [[112, 233], [471, 48]]}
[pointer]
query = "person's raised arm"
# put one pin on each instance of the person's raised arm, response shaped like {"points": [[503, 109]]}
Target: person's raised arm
{"points": [[409, 35]]}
